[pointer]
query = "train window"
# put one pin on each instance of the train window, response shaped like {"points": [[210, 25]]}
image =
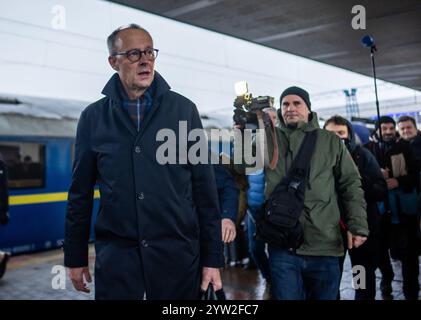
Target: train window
{"points": [[25, 163]]}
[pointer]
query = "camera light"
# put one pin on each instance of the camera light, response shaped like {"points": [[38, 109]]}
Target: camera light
{"points": [[241, 88]]}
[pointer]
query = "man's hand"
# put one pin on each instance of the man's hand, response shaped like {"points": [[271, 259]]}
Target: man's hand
{"points": [[354, 241], [228, 230], [211, 275], [239, 101], [385, 173], [80, 277], [239, 118], [242, 117], [392, 183]]}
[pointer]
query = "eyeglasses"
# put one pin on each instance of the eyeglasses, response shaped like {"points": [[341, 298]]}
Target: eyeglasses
{"points": [[135, 55]]}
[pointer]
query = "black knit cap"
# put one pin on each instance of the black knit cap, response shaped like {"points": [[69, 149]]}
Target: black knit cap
{"points": [[384, 119], [298, 92]]}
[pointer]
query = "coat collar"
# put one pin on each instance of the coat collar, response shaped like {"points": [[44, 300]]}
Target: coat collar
{"points": [[311, 125], [417, 140], [113, 87], [113, 90]]}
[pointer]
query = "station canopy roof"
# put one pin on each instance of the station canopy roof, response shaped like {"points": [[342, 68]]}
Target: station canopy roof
{"points": [[320, 30]]}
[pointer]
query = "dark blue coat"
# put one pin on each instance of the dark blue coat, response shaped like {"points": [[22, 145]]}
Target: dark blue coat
{"points": [[157, 224], [372, 180], [227, 191]]}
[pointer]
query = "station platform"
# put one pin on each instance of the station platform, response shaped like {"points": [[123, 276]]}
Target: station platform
{"points": [[30, 277]]}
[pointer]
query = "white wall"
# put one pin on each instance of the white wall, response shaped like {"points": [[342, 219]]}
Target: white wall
{"points": [[36, 59]]}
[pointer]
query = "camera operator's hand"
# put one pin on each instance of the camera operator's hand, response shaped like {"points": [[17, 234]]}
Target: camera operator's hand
{"points": [[252, 118], [242, 117], [4, 218], [239, 102]]}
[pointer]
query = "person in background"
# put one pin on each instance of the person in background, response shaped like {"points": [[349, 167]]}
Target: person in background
{"points": [[398, 227], [228, 201], [255, 202], [408, 132], [375, 190]]}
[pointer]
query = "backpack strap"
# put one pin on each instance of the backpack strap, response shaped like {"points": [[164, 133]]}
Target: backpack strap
{"points": [[298, 172]]}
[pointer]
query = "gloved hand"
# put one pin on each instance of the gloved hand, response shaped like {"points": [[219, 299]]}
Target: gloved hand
{"points": [[242, 117], [4, 218], [239, 102], [239, 117]]}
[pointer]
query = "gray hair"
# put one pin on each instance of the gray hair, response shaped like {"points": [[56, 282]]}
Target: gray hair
{"points": [[113, 36]]}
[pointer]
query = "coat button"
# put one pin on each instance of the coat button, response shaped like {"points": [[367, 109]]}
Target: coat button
{"points": [[140, 196], [144, 243], [137, 149]]}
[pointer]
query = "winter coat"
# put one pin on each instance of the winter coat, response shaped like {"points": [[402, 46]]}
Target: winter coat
{"points": [[158, 224], [333, 177]]}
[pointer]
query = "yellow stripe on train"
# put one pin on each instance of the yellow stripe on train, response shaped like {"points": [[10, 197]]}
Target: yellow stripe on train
{"points": [[41, 198]]}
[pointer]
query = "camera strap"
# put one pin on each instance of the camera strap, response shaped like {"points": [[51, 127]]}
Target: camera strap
{"points": [[274, 161]]}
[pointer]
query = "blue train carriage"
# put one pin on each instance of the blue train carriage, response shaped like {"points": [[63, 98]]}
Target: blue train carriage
{"points": [[37, 145]]}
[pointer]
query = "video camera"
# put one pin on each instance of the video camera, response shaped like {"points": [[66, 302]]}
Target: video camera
{"points": [[246, 106]]}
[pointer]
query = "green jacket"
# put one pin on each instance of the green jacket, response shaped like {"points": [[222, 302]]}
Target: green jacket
{"points": [[333, 177]]}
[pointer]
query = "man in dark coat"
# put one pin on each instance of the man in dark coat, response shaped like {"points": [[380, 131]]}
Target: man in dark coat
{"points": [[398, 227], [409, 133], [375, 189], [158, 229]]}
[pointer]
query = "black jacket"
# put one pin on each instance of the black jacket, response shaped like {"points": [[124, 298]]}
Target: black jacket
{"points": [[384, 157], [168, 214], [227, 191], [416, 148], [373, 183]]}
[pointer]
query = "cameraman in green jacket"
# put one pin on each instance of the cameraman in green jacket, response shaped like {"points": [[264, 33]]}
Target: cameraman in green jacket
{"points": [[311, 272]]}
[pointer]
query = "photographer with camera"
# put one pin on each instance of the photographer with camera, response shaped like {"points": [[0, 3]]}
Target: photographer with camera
{"points": [[312, 171]]}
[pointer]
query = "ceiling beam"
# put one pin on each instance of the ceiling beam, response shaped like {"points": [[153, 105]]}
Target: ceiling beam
{"points": [[197, 5]]}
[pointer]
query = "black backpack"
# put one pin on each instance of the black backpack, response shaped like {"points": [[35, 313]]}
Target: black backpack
{"points": [[279, 224]]}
